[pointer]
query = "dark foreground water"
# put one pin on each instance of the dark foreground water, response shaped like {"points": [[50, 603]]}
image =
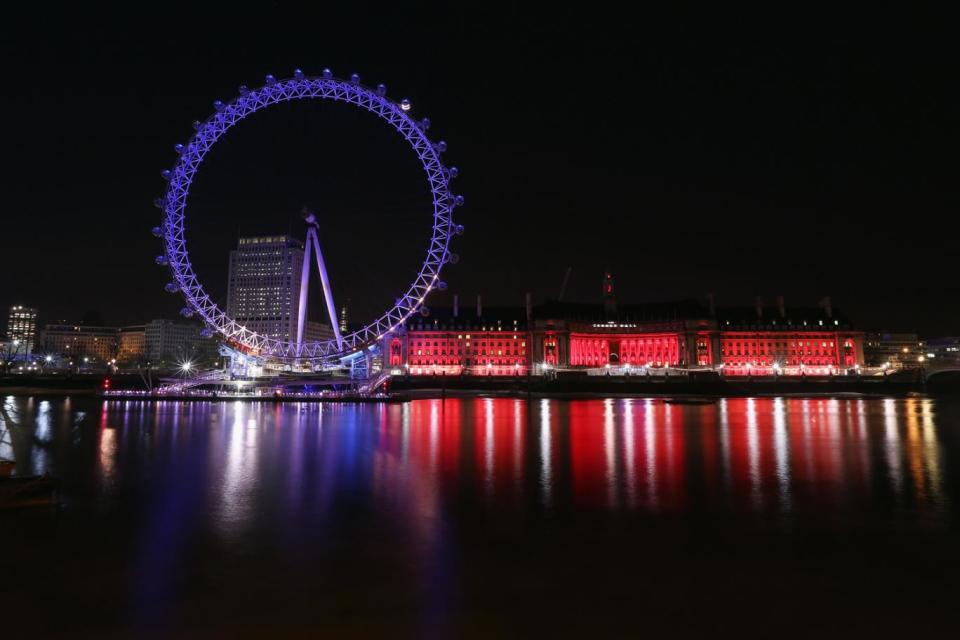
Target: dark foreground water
{"points": [[485, 518]]}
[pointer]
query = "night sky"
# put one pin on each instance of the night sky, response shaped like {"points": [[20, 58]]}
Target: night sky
{"points": [[789, 154]]}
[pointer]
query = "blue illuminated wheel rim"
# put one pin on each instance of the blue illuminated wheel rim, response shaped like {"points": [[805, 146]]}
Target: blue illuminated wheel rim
{"points": [[274, 91]]}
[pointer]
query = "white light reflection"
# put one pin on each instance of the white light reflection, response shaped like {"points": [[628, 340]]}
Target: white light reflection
{"points": [[753, 453], [42, 433], [434, 435], [863, 441], [6, 439], [546, 472], [834, 432], [781, 447], [724, 416], [405, 435], [240, 475], [610, 450], [630, 452], [108, 448], [650, 443], [488, 446], [931, 452], [517, 445], [810, 469], [892, 444]]}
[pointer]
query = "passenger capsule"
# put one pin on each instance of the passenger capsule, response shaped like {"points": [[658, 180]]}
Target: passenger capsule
{"points": [[197, 124], [166, 173], [270, 79], [405, 104], [298, 74], [186, 312], [442, 146], [157, 231], [244, 89], [158, 203], [178, 148], [171, 287], [458, 230], [381, 89], [454, 172], [218, 105], [206, 333], [355, 78], [458, 201], [327, 74], [425, 124], [424, 311], [453, 258], [442, 286], [162, 261]]}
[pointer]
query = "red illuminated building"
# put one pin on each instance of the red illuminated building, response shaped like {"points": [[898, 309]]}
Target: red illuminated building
{"points": [[488, 342], [626, 339]]}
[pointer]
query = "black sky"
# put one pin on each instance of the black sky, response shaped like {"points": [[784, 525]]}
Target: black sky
{"points": [[791, 153]]}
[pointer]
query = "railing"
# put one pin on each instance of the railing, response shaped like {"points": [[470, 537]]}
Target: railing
{"points": [[376, 383], [213, 375]]}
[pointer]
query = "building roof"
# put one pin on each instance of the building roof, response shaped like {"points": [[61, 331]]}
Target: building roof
{"points": [[282, 239], [596, 312], [770, 319], [466, 318], [728, 318]]}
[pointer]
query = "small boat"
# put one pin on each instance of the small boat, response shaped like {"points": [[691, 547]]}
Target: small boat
{"points": [[27, 491], [693, 401]]}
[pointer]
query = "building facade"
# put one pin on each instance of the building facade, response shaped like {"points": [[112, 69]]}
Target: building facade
{"points": [[493, 341], [314, 331], [22, 329], [943, 352], [627, 338], [169, 344], [263, 292], [81, 343], [810, 341], [132, 344], [894, 350]]}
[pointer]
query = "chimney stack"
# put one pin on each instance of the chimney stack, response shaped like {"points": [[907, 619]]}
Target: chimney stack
{"points": [[456, 305], [781, 307], [758, 304], [479, 307], [609, 297]]}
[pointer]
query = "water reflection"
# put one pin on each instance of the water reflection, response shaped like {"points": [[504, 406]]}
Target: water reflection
{"points": [[779, 458]]}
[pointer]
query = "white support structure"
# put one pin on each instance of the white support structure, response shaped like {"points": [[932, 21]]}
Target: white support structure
{"points": [[313, 244]]}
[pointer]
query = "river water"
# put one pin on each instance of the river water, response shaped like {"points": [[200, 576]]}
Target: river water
{"points": [[484, 517]]}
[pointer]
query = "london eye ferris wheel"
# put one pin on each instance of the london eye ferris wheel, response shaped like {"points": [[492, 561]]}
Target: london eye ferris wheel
{"points": [[398, 114]]}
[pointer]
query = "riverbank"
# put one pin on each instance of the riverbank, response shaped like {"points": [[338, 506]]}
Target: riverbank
{"points": [[663, 386], [401, 387]]}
